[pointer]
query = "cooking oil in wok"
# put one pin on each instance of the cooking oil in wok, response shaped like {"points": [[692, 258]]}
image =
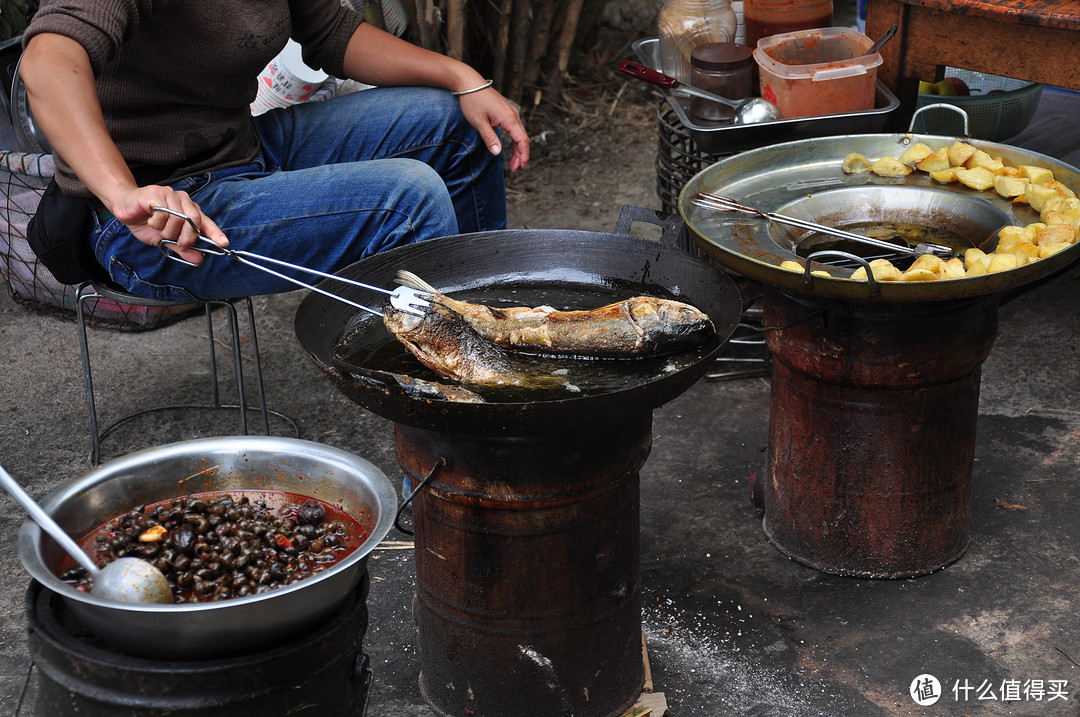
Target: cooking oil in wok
{"points": [[367, 345]]}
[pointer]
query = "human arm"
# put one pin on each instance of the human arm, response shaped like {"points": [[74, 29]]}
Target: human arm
{"points": [[60, 86], [380, 58]]}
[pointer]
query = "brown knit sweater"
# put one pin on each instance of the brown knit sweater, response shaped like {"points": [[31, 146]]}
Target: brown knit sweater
{"points": [[176, 78]]}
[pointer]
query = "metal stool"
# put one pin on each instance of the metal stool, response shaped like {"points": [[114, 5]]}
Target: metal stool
{"points": [[93, 291]]}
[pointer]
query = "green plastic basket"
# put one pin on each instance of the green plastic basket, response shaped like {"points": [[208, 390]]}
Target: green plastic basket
{"points": [[993, 117]]}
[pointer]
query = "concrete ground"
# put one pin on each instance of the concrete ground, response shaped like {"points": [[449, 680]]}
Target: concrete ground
{"points": [[733, 627]]}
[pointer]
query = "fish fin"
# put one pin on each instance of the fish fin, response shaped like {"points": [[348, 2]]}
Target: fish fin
{"points": [[407, 278]]}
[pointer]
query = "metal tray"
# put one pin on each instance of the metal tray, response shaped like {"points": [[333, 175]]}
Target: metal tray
{"points": [[727, 138], [771, 177]]}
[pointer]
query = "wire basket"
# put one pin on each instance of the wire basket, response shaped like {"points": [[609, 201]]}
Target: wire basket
{"points": [[993, 117], [678, 159]]}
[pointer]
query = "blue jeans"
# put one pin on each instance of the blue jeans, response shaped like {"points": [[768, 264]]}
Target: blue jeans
{"points": [[334, 182]]}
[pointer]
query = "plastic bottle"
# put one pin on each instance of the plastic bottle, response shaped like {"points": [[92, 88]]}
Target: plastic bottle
{"points": [[685, 24], [763, 18]]}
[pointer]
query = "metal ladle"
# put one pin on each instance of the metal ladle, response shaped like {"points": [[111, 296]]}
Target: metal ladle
{"points": [[748, 111], [129, 580]]}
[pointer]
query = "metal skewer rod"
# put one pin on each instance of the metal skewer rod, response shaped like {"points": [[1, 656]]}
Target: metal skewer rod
{"points": [[715, 201], [725, 204]]}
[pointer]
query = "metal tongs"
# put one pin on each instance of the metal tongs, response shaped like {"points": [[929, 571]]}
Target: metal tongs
{"points": [[724, 204], [404, 298]]}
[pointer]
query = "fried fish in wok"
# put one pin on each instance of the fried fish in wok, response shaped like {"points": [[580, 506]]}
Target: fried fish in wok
{"points": [[443, 341], [634, 328]]}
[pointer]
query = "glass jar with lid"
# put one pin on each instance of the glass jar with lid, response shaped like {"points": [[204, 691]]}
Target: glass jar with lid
{"points": [[686, 24], [725, 69]]}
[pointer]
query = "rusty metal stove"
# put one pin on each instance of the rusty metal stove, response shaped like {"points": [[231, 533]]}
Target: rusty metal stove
{"points": [[872, 431], [527, 567], [325, 671], [528, 594]]}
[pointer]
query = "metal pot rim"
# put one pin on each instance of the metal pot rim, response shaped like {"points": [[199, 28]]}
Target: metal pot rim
{"points": [[30, 535]]}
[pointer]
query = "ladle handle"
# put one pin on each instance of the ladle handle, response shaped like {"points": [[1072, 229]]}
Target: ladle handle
{"points": [[655, 77], [46, 523], [876, 47]]}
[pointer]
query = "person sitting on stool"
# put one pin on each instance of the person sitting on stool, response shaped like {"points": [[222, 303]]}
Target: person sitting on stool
{"points": [[148, 103]]}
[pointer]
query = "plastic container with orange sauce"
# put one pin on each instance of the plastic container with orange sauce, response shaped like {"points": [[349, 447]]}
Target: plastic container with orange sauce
{"points": [[817, 72], [762, 18]]}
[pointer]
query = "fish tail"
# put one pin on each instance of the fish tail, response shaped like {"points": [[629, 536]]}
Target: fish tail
{"points": [[407, 278]]}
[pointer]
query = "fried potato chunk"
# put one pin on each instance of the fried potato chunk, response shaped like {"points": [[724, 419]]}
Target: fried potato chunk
{"points": [[935, 162], [960, 152], [1060, 188], [973, 256], [979, 178], [984, 160], [915, 153], [1001, 262], [1046, 250], [890, 167], [855, 163], [1037, 175], [882, 269], [945, 176], [1056, 234], [918, 275], [928, 262], [1038, 194], [1007, 186], [952, 269]]}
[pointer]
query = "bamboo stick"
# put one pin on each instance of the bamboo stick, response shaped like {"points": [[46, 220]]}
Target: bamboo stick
{"points": [[502, 38], [538, 48], [565, 44], [519, 47], [590, 18], [455, 29], [427, 24]]}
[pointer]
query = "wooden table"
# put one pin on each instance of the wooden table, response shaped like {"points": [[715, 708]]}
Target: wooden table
{"points": [[1035, 40]]}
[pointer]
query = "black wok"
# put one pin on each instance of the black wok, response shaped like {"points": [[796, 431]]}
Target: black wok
{"points": [[552, 260]]}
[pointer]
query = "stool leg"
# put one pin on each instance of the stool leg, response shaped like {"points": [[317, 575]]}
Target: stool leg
{"points": [[258, 367], [84, 294], [216, 398], [234, 332]]}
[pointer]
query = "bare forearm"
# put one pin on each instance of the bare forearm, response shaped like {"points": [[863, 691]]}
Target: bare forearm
{"points": [[379, 58], [62, 94], [60, 85]]}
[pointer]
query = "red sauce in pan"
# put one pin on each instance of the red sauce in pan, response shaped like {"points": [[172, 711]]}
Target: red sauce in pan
{"points": [[224, 544]]}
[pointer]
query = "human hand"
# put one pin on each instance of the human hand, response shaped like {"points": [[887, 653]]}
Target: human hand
{"points": [[487, 110], [134, 209]]}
